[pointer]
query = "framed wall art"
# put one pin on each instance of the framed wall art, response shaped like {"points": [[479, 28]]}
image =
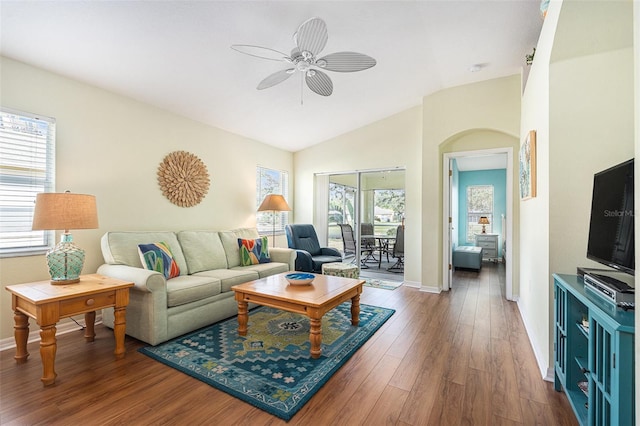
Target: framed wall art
{"points": [[528, 167]]}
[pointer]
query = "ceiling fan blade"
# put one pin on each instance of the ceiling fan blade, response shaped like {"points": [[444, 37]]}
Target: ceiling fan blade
{"points": [[275, 78], [260, 52], [319, 82], [311, 36], [346, 62]]}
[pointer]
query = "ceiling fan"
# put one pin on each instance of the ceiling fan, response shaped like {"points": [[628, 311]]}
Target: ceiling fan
{"points": [[310, 38]]}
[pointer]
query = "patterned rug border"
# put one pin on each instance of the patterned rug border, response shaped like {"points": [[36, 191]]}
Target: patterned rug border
{"points": [[285, 415]]}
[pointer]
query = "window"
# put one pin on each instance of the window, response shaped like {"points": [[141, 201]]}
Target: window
{"points": [[27, 150], [479, 203], [269, 181]]}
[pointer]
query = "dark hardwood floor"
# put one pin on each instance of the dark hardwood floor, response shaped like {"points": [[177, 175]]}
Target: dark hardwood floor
{"points": [[458, 358]]}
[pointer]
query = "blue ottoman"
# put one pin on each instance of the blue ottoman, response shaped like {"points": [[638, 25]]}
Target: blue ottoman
{"points": [[467, 257]]}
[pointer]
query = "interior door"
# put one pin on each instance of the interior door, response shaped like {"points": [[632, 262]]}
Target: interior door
{"points": [[453, 215]]}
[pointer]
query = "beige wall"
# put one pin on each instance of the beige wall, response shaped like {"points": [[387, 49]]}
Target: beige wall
{"points": [[591, 129], [535, 302], [388, 143], [111, 146], [450, 114], [578, 99], [412, 139]]}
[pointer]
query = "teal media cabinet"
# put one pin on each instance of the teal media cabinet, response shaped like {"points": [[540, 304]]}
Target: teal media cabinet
{"points": [[594, 354]]}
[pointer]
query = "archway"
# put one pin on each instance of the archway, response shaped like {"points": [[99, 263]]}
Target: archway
{"points": [[479, 143]]}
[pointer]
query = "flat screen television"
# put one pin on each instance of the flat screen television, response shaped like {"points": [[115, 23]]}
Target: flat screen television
{"points": [[611, 229]]}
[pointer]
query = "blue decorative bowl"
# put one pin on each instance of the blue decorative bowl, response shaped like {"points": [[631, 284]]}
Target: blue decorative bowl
{"points": [[299, 278]]}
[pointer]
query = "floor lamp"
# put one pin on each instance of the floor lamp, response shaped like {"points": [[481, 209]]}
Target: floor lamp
{"points": [[274, 203]]}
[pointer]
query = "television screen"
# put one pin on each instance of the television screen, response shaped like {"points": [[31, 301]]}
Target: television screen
{"points": [[611, 240]]}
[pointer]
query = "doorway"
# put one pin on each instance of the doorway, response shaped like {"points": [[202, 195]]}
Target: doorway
{"points": [[503, 221], [370, 203]]}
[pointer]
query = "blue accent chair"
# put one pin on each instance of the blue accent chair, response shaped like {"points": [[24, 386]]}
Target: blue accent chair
{"points": [[310, 256]]}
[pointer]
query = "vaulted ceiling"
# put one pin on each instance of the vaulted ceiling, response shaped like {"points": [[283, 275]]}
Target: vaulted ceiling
{"points": [[176, 55]]}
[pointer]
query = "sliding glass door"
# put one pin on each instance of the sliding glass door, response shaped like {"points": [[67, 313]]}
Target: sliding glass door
{"points": [[371, 203], [343, 206]]}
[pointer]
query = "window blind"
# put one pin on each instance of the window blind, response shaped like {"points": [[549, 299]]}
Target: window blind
{"points": [[27, 167], [269, 181], [479, 203]]}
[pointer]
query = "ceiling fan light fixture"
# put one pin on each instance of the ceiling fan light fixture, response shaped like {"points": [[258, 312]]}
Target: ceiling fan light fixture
{"points": [[310, 38]]}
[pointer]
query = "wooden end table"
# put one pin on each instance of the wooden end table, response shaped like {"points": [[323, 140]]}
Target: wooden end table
{"points": [[314, 300], [48, 303]]}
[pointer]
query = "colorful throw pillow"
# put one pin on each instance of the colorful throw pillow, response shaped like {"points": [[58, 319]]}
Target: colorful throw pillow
{"points": [[253, 252], [158, 257]]}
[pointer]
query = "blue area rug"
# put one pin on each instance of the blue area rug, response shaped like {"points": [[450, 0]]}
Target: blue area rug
{"points": [[270, 367]]}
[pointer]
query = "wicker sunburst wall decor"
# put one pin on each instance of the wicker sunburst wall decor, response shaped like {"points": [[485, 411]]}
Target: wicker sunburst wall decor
{"points": [[183, 178]]}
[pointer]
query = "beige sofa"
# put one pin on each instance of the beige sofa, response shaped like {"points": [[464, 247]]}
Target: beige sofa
{"points": [[209, 262]]}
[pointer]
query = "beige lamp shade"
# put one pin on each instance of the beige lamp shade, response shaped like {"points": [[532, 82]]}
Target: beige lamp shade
{"points": [[274, 202], [64, 211], [483, 220]]}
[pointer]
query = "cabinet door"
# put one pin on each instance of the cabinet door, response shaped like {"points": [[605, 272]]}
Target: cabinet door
{"points": [[560, 337], [601, 362], [611, 387]]}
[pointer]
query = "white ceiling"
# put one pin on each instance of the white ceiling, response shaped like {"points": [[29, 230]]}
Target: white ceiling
{"points": [[176, 55]]}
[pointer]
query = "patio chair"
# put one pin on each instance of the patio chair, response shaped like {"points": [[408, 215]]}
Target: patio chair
{"points": [[398, 251], [310, 256], [348, 240], [368, 245], [349, 243]]}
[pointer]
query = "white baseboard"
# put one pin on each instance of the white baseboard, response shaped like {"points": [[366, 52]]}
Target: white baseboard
{"points": [[412, 284], [431, 289], [546, 371], [34, 332], [550, 377]]}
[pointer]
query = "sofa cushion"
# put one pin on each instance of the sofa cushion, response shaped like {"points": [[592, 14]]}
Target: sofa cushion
{"points": [[230, 243], [121, 248], [186, 289], [254, 251], [230, 277], [157, 257], [202, 250]]}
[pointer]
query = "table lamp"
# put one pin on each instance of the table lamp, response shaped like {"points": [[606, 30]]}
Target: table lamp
{"points": [[65, 211], [484, 221], [274, 203]]}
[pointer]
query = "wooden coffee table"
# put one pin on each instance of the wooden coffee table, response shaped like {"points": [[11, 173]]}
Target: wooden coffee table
{"points": [[314, 300]]}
